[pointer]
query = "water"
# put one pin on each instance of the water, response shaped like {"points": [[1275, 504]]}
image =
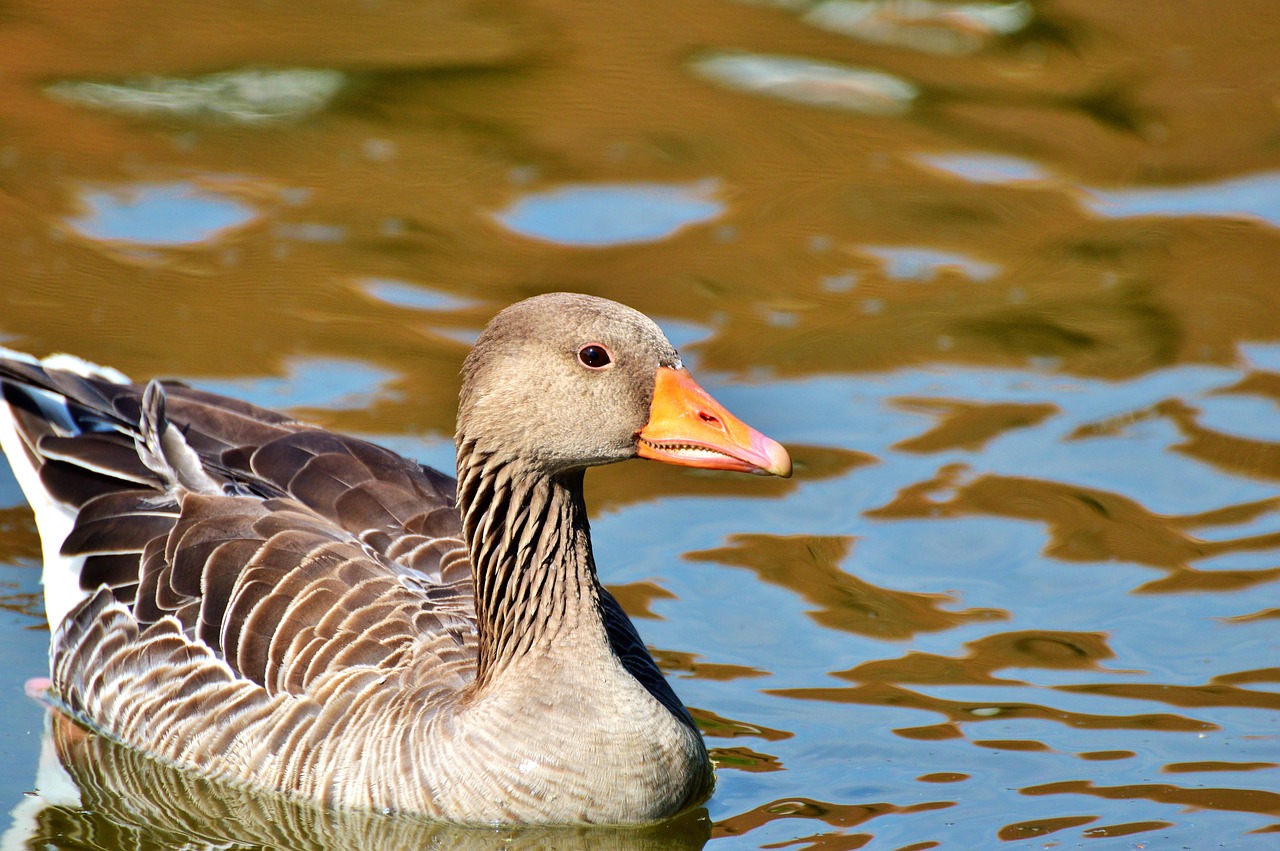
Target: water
{"points": [[1002, 275], [610, 214]]}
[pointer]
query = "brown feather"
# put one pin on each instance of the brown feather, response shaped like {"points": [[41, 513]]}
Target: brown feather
{"points": [[324, 478], [122, 533], [109, 454], [115, 570], [220, 573]]}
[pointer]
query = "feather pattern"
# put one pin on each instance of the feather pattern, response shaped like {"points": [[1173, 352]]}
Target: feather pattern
{"points": [[110, 797], [270, 603]]}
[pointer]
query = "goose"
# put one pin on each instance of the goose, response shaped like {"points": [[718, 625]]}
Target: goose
{"points": [[272, 604]]}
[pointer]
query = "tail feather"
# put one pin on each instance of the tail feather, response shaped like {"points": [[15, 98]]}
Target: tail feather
{"points": [[37, 421], [164, 450], [104, 469], [54, 519]]}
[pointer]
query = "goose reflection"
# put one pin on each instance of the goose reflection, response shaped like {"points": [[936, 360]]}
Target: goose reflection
{"points": [[95, 794]]}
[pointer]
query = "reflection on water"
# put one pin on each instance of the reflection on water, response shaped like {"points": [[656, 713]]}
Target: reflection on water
{"points": [[326, 383], [925, 264], [418, 298], [248, 96], [610, 215], [807, 566], [933, 27], [986, 168], [159, 214], [1002, 275], [1256, 196], [806, 81], [98, 796]]}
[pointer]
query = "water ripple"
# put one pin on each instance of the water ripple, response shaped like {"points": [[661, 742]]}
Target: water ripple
{"points": [[809, 81], [601, 215], [158, 214], [1254, 196]]}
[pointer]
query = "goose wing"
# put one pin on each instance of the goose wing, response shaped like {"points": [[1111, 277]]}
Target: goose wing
{"points": [[283, 551]]}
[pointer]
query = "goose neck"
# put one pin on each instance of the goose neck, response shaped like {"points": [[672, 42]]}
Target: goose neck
{"points": [[530, 546]]}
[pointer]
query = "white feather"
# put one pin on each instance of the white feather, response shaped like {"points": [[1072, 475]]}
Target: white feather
{"points": [[54, 520], [84, 368]]}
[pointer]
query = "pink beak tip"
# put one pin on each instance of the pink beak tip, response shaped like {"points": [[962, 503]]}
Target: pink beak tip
{"points": [[776, 455]]}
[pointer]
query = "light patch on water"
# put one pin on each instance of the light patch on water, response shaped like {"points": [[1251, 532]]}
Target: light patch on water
{"points": [[869, 420], [991, 169], [820, 242], [246, 96], [810, 82], [319, 233], [414, 296], [1244, 416], [948, 29], [780, 318], [465, 336], [331, 383], [158, 214], [924, 264], [1261, 356], [841, 283], [597, 215], [682, 332], [1255, 196]]}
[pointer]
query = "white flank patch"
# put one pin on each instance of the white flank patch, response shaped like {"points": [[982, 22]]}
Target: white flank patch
{"points": [[54, 520]]}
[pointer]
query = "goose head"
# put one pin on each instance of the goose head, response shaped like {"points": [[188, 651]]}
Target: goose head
{"points": [[563, 381]]}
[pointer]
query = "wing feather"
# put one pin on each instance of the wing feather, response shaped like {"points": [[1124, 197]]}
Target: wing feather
{"points": [[309, 555]]}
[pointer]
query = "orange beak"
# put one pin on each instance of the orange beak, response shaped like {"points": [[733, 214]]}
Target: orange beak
{"points": [[687, 427]]}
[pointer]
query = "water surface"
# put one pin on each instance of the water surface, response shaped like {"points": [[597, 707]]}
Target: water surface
{"points": [[1002, 275]]}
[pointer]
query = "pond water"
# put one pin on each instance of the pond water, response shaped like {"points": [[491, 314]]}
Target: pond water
{"points": [[1005, 277]]}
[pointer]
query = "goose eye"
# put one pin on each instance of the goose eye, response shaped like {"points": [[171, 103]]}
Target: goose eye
{"points": [[594, 356]]}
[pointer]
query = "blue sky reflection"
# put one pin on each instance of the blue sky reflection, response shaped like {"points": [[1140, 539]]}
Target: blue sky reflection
{"points": [[611, 214]]}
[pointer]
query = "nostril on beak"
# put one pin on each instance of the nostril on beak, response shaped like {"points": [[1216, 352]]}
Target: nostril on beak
{"points": [[709, 419]]}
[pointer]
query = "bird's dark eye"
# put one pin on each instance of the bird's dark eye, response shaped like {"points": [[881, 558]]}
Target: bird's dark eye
{"points": [[594, 356]]}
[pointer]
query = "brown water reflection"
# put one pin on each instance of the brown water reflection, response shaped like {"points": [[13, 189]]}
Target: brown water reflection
{"points": [[884, 694], [1245, 800], [1029, 649], [1003, 276], [836, 815], [18, 538], [968, 425], [809, 566], [1088, 525]]}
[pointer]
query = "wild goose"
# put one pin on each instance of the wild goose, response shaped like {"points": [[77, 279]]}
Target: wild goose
{"points": [[267, 602]]}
